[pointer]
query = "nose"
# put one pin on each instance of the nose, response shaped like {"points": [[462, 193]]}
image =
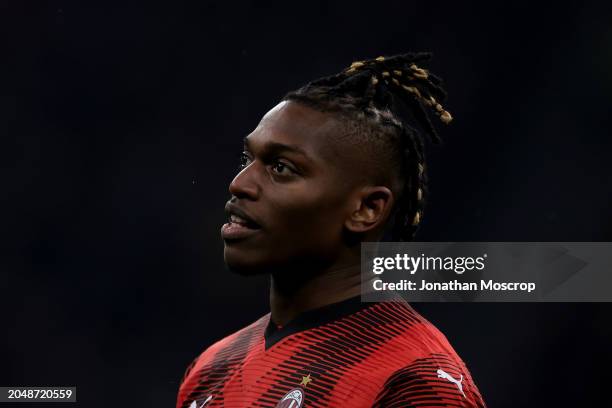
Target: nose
{"points": [[245, 184]]}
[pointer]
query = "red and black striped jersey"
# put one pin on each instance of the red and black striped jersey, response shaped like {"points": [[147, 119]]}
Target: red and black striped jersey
{"points": [[348, 354]]}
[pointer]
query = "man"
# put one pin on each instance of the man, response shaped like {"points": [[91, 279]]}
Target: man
{"points": [[337, 162]]}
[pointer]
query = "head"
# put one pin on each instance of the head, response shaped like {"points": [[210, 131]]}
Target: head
{"points": [[336, 162]]}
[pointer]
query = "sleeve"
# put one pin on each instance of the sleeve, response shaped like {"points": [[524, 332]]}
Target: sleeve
{"points": [[435, 381]]}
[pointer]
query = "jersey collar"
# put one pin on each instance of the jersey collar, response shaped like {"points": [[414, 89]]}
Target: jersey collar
{"points": [[315, 318]]}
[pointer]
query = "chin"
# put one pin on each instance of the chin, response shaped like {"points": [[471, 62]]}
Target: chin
{"points": [[242, 264]]}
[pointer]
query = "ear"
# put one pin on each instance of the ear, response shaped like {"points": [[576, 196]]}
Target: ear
{"points": [[371, 208]]}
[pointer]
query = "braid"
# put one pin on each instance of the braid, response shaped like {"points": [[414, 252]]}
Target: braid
{"points": [[389, 95]]}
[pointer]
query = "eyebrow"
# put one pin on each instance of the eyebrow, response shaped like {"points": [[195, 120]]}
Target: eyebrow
{"points": [[276, 147]]}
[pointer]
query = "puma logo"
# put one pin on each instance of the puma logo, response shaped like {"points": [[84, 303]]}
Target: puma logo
{"points": [[444, 374]]}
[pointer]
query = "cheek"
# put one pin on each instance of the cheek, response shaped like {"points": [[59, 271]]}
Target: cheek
{"points": [[304, 226], [309, 217]]}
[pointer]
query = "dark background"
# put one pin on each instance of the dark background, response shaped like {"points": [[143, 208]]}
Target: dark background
{"points": [[121, 127]]}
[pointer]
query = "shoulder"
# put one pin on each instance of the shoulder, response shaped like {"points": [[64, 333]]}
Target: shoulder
{"points": [[240, 338], [236, 343], [406, 332], [421, 365]]}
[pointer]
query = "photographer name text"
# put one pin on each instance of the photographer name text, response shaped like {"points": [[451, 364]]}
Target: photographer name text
{"points": [[454, 285]]}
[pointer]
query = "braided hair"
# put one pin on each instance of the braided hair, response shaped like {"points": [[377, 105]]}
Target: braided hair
{"points": [[388, 99]]}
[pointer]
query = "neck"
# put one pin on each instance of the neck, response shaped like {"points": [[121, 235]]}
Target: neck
{"points": [[291, 296]]}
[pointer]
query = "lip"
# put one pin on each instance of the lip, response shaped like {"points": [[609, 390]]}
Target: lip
{"points": [[233, 230], [231, 208]]}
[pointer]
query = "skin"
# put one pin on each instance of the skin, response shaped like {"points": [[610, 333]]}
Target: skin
{"points": [[314, 202]]}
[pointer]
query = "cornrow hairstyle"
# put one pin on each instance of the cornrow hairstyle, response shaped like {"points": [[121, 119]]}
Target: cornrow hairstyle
{"points": [[388, 97]]}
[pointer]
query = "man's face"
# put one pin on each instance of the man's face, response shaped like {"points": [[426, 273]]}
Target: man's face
{"points": [[289, 201]]}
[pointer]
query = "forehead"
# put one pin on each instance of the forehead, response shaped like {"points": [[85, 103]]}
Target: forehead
{"points": [[296, 125]]}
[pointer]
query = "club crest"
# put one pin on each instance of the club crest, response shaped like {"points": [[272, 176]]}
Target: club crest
{"points": [[293, 399]]}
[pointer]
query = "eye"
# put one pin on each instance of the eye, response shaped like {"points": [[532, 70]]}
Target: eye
{"points": [[245, 160], [282, 169]]}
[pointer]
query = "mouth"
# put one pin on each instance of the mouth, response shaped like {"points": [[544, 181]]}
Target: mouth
{"points": [[239, 226]]}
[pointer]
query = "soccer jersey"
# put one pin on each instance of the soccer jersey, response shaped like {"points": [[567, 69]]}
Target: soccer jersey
{"points": [[347, 354]]}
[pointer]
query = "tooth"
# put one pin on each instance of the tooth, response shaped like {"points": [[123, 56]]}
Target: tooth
{"points": [[237, 219]]}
